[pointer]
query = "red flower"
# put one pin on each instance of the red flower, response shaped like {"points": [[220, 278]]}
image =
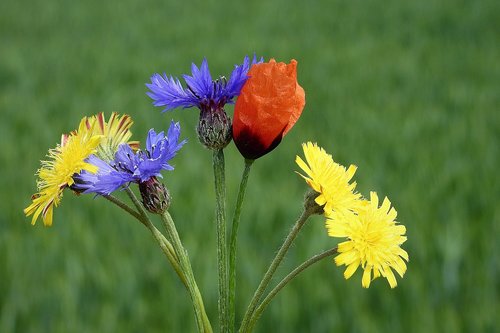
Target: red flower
{"points": [[269, 104]]}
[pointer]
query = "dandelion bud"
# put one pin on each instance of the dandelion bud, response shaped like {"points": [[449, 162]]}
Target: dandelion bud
{"points": [[155, 196], [311, 205], [214, 128]]}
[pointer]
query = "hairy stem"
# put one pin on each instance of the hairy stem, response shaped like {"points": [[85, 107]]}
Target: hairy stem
{"points": [[165, 245], [233, 241], [180, 255], [124, 206], [284, 282], [204, 323], [272, 269], [220, 213]]}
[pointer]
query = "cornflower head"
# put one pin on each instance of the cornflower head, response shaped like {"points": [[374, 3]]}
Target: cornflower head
{"points": [[373, 242], [330, 179], [129, 166], [56, 173], [208, 95]]}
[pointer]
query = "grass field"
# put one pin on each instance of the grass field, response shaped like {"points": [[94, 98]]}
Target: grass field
{"points": [[407, 91]]}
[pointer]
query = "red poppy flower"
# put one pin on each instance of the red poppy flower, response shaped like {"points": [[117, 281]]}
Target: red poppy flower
{"points": [[269, 104]]}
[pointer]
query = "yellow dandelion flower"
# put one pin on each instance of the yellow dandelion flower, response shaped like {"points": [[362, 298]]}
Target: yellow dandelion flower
{"points": [[374, 240], [57, 173], [114, 132], [329, 179]]}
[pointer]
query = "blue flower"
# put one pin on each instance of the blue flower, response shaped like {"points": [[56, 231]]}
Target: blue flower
{"points": [[129, 166], [201, 90]]}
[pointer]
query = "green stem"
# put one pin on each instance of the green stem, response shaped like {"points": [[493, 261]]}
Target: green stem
{"points": [[233, 239], [283, 283], [272, 269], [137, 204], [124, 206], [165, 245], [220, 212], [168, 250], [180, 256], [203, 321]]}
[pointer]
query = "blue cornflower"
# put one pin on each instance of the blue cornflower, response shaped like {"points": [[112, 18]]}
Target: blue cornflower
{"points": [[201, 90], [210, 96], [129, 166]]}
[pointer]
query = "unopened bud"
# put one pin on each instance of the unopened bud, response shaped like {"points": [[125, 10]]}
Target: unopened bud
{"points": [[214, 128], [155, 196], [311, 205]]}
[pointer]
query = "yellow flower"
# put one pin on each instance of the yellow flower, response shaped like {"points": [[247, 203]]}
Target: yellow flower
{"points": [[114, 132], [57, 173], [374, 239], [329, 179]]}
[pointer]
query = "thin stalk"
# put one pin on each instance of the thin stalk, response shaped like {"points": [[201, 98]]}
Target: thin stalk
{"points": [[201, 317], [124, 206], [220, 213], [204, 322], [169, 252], [137, 203], [233, 241], [165, 245], [283, 283], [272, 269]]}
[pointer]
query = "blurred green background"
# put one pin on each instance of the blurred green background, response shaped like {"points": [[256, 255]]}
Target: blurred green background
{"points": [[407, 91]]}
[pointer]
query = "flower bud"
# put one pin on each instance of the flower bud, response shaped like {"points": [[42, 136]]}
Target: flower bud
{"points": [[214, 128], [311, 205], [270, 103], [155, 196]]}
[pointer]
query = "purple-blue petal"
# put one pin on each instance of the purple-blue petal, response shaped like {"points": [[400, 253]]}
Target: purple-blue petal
{"points": [[200, 81], [172, 140], [108, 183], [125, 159], [168, 92], [157, 156], [153, 139], [202, 91], [239, 76], [104, 182]]}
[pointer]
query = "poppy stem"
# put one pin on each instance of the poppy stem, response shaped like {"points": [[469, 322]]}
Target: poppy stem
{"points": [[233, 241], [299, 269], [220, 213]]}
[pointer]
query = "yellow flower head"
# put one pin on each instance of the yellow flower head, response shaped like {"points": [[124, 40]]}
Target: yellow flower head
{"points": [[374, 239], [57, 173], [114, 132], [329, 179]]}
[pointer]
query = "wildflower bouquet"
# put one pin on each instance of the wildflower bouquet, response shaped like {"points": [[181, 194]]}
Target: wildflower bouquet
{"points": [[99, 158]]}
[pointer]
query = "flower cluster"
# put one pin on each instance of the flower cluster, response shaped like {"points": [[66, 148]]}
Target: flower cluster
{"points": [[208, 95], [270, 101], [99, 158], [373, 236], [129, 166]]}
